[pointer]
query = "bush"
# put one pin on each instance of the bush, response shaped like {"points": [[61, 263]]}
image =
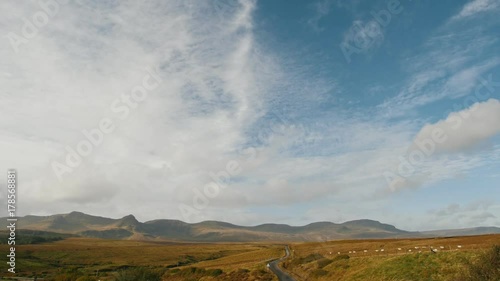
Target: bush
{"points": [[319, 273], [86, 278], [324, 262], [139, 274], [341, 257], [216, 272], [487, 267], [312, 257]]}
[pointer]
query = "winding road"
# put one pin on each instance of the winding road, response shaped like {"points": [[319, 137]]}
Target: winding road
{"points": [[282, 276]]}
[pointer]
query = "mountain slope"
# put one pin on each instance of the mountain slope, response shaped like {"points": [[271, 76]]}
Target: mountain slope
{"points": [[129, 227]]}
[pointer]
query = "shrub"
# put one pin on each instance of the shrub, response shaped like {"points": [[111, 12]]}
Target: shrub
{"points": [[341, 257], [139, 274], [487, 267], [324, 262], [86, 278], [312, 257], [319, 273], [216, 272]]}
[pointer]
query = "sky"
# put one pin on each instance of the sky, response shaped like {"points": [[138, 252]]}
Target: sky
{"points": [[254, 111]]}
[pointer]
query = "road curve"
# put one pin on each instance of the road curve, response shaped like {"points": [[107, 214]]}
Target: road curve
{"points": [[282, 276]]}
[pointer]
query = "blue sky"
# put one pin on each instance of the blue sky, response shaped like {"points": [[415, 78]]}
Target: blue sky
{"points": [[327, 110]]}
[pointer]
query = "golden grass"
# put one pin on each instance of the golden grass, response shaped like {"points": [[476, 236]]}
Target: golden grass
{"points": [[108, 255], [391, 264]]}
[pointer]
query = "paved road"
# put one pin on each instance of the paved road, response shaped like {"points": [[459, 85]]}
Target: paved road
{"points": [[282, 276]]}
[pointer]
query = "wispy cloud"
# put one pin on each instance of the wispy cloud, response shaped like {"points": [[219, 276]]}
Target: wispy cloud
{"points": [[448, 66], [321, 9], [476, 7]]}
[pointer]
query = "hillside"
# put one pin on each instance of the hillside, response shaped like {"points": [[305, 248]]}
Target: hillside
{"points": [[130, 228]]}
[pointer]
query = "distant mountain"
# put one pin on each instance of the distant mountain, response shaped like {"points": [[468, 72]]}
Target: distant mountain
{"points": [[129, 227], [463, 231]]}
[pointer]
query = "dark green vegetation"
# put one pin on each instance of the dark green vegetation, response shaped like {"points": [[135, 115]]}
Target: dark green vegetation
{"points": [[485, 267], [25, 237]]}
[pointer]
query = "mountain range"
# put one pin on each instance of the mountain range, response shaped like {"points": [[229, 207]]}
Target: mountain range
{"points": [[130, 228]]}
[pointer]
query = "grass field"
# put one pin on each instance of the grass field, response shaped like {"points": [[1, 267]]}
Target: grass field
{"points": [[401, 259], [79, 259], [87, 256]]}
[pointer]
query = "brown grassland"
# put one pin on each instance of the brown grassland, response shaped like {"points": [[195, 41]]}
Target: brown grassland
{"points": [[87, 256], [81, 258], [322, 261]]}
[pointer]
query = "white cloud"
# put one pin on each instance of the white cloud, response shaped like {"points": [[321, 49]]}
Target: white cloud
{"points": [[465, 129], [217, 84], [63, 81], [475, 7]]}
